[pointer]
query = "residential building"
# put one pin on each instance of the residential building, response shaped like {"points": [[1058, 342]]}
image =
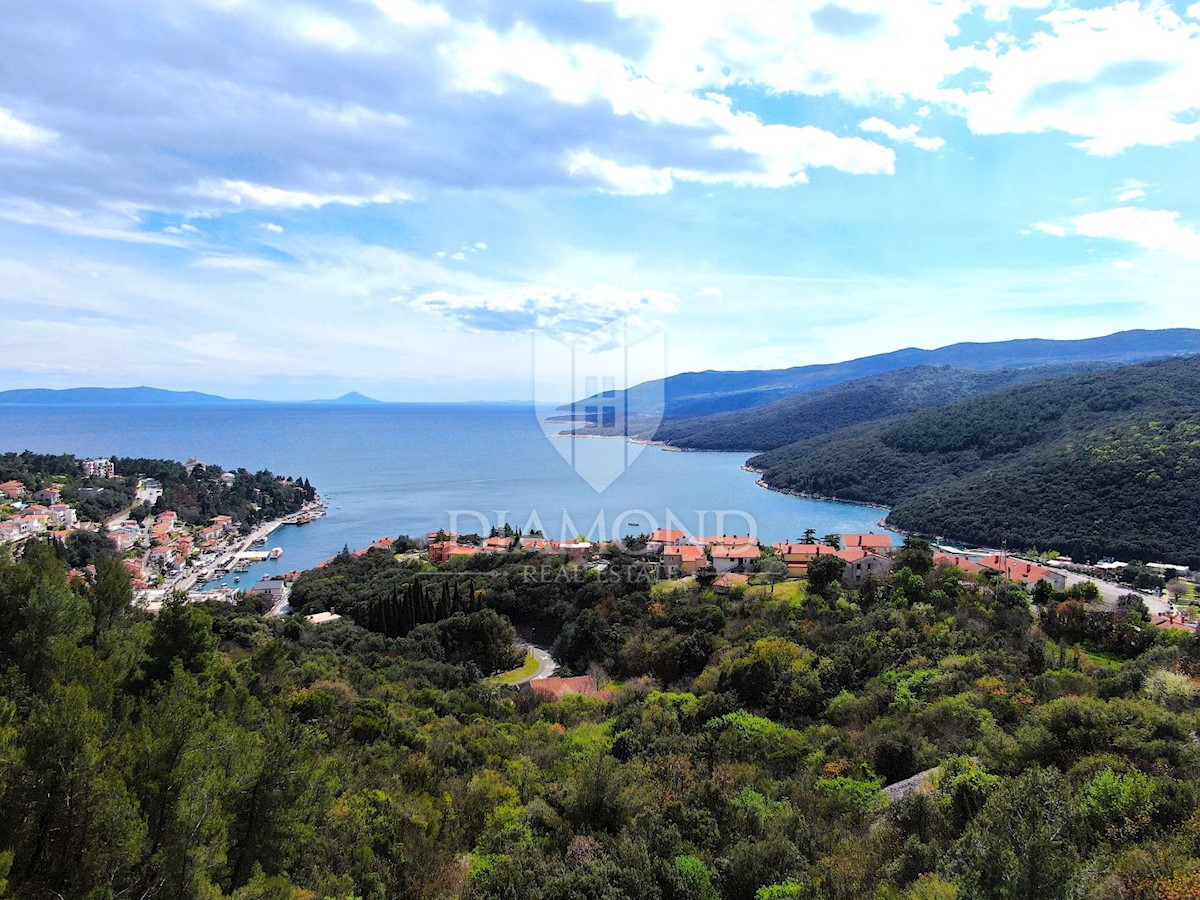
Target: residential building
{"points": [[869, 565], [62, 515], [735, 557], [99, 468], [1026, 572], [730, 581], [683, 560], [124, 538], [48, 495], [798, 556], [957, 561], [726, 540], [665, 537], [270, 588], [874, 543], [443, 551], [576, 550], [12, 489]]}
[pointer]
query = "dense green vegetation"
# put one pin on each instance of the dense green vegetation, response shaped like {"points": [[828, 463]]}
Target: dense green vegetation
{"points": [[1090, 465], [209, 752], [196, 496], [828, 409]]}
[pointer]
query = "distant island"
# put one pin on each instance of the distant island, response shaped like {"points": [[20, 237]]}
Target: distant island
{"points": [[146, 396]]}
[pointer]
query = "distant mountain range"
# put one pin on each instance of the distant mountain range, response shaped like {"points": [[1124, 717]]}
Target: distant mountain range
{"points": [[706, 393], [143, 396]]}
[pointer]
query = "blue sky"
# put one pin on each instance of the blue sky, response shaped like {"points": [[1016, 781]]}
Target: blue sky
{"points": [[292, 199]]}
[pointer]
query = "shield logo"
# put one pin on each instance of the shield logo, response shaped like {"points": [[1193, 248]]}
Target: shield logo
{"points": [[600, 397]]}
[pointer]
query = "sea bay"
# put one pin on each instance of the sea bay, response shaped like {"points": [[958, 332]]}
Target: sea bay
{"points": [[393, 469]]}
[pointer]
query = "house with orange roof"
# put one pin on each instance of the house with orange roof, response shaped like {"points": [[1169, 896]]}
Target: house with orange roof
{"points": [[444, 551], [384, 543], [538, 545], [1026, 572], [499, 544], [12, 489], [875, 543], [798, 556], [730, 581], [735, 557], [665, 537], [726, 540], [49, 495], [685, 559], [957, 561]]}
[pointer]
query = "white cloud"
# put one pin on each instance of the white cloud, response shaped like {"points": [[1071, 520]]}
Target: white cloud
{"points": [[1130, 194], [1152, 229], [1115, 76], [481, 245], [248, 195], [547, 309], [711, 292], [273, 227], [909, 134], [459, 256], [1050, 228], [22, 135], [619, 179]]}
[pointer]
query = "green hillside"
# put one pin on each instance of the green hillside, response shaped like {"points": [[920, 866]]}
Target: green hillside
{"points": [[829, 409], [1094, 464]]}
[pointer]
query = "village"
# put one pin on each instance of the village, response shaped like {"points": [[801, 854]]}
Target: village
{"points": [[166, 555], [162, 552]]}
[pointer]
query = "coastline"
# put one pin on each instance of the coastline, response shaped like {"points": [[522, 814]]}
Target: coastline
{"points": [[809, 495]]}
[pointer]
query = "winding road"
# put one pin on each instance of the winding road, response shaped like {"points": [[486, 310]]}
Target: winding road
{"points": [[546, 664]]}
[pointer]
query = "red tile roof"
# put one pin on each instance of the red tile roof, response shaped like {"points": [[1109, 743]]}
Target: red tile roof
{"points": [[743, 551], [686, 553], [667, 535], [872, 541]]}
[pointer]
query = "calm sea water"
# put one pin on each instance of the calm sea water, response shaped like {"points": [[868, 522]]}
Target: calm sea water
{"points": [[410, 469]]}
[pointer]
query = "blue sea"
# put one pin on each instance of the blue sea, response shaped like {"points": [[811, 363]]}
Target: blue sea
{"points": [[394, 469]]}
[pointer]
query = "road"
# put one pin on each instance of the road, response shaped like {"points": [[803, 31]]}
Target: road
{"points": [[1110, 593], [546, 664]]}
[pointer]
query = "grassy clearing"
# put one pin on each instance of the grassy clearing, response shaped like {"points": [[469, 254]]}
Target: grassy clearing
{"points": [[529, 668], [792, 591]]}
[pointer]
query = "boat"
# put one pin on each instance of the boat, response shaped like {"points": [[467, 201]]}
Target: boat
{"points": [[303, 519], [275, 553], [237, 579], [259, 541]]}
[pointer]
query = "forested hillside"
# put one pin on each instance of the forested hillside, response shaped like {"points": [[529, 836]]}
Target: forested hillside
{"points": [[209, 752], [1093, 464], [828, 409]]}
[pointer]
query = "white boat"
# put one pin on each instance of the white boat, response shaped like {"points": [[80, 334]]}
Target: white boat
{"points": [[275, 553]]}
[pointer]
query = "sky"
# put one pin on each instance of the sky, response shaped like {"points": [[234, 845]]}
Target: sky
{"points": [[418, 200]]}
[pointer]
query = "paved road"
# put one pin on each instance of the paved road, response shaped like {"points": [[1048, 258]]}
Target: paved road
{"points": [[546, 664], [1109, 593]]}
